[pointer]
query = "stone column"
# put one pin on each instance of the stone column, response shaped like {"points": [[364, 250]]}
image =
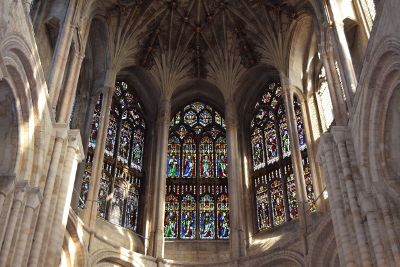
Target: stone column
{"points": [[383, 206], [90, 210], [295, 151], [70, 89], [347, 63], [6, 186], [74, 155], [340, 136], [335, 87], [60, 57], [11, 232], [369, 210], [237, 240], [344, 57], [162, 126], [43, 223], [33, 200], [336, 201]]}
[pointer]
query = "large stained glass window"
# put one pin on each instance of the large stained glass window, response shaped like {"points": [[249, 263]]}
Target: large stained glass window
{"points": [[197, 200], [122, 175], [275, 188]]}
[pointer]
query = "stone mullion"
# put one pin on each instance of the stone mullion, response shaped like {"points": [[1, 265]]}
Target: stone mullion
{"points": [[114, 169], [90, 210], [336, 203], [283, 177], [42, 222]]}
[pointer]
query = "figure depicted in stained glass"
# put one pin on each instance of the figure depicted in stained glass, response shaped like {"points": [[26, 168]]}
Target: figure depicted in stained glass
{"points": [[187, 225], [223, 222], [171, 222], [188, 167], [285, 143], [173, 167], [206, 170], [222, 165], [171, 217]]}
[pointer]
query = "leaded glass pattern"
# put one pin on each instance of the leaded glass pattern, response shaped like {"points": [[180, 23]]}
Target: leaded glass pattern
{"points": [[197, 200], [122, 174]]}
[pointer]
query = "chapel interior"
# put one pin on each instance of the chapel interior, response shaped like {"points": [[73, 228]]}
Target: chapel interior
{"points": [[156, 133]]}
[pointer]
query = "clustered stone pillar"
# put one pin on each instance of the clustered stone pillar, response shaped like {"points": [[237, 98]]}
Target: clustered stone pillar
{"points": [[73, 156], [237, 238], [33, 200], [162, 126], [340, 136], [339, 218], [17, 204], [41, 228], [90, 210]]}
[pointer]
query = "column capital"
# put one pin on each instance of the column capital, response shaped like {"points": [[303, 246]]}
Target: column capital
{"points": [[61, 130], [75, 142], [34, 197], [7, 184], [21, 188], [340, 133], [367, 202]]}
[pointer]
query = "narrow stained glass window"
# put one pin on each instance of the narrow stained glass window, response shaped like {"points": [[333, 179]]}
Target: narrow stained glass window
{"points": [[122, 174], [274, 180]]}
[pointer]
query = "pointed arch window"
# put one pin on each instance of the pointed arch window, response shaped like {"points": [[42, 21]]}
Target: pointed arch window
{"points": [[122, 174], [197, 200], [274, 181]]}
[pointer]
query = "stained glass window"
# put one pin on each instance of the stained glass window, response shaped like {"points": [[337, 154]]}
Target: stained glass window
{"points": [[197, 200], [274, 181], [122, 174]]}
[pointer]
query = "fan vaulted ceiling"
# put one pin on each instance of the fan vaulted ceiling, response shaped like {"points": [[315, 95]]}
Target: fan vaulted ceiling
{"points": [[217, 40]]}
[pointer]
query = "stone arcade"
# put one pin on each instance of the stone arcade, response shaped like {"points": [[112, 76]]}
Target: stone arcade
{"points": [[199, 133]]}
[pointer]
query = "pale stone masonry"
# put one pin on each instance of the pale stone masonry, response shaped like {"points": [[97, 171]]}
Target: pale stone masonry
{"points": [[57, 57]]}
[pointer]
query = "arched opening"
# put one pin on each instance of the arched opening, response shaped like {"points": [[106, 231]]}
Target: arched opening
{"points": [[8, 130]]}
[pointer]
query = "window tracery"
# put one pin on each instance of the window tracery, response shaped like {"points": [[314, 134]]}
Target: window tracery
{"points": [[197, 200], [122, 173]]}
